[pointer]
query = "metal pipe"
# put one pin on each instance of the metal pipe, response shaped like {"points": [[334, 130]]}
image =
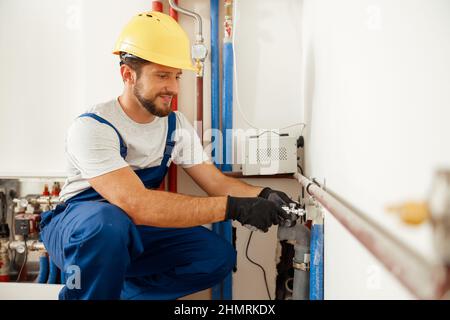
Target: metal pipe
{"points": [[300, 288], [199, 53], [301, 235], [424, 279], [196, 16]]}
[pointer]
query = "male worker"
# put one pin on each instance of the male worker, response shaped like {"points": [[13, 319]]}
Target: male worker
{"points": [[114, 231]]}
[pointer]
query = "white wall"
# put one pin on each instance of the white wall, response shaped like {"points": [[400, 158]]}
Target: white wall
{"points": [[57, 63], [267, 46], [376, 94]]}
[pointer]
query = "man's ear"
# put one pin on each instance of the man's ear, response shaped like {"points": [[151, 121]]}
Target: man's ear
{"points": [[128, 74]]}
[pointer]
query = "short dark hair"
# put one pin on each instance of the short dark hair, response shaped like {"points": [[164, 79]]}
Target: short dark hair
{"points": [[133, 62]]}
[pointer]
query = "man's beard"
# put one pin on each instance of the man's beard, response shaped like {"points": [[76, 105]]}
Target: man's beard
{"points": [[149, 104]]}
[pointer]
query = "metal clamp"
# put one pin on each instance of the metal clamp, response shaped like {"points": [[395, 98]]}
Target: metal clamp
{"points": [[303, 266], [314, 181]]}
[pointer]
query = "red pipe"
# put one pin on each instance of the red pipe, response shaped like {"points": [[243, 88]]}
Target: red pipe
{"points": [[173, 168], [158, 6], [174, 13], [200, 107]]}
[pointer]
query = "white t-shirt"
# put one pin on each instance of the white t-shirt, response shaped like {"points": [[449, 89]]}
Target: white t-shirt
{"points": [[93, 148]]}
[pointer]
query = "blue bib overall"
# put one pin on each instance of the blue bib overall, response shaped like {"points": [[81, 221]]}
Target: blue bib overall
{"points": [[104, 255]]}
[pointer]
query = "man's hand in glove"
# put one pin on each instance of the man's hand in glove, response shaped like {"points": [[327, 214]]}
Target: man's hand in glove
{"points": [[254, 213], [281, 199], [278, 197]]}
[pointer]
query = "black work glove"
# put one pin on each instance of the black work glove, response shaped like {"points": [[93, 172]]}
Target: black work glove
{"points": [[278, 197], [282, 200], [254, 213]]}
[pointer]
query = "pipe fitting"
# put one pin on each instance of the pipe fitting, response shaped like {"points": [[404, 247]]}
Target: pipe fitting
{"points": [[439, 205], [300, 265], [196, 16], [19, 246]]}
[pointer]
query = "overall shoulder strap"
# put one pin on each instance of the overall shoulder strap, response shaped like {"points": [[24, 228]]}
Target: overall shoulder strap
{"points": [[123, 147], [170, 143]]}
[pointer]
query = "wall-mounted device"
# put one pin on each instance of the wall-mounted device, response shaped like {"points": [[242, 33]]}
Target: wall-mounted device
{"points": [[270, 153]]}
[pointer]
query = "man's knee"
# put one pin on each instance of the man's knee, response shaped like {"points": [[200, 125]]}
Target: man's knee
{"points": [[105, 224], [225, 255]]}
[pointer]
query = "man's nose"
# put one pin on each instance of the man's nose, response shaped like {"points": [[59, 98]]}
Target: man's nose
{"points": [[172, 86]]}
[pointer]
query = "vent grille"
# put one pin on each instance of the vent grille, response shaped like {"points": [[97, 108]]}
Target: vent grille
{"points": [[271, 154]]}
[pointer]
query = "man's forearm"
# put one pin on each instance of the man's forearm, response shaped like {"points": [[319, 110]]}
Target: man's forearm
{"points": [[165, 209], [235, 187]]}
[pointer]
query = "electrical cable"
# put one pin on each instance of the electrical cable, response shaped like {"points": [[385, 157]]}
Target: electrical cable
{"points": [[303, 188], [24, 259], [265, 131], [3, 207], [238, 104], [13, 259], [257, 264]]}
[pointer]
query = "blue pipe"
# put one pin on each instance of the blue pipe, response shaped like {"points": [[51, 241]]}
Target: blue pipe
{"points": [[215, 98], [215, 121], [227, 136], [316, 264], [227, 106], [227, 291], [53, 275], [43, 269], [223, 290]]}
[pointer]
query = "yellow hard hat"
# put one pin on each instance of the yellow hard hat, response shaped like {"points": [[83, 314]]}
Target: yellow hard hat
{"points": [[156, 37]]}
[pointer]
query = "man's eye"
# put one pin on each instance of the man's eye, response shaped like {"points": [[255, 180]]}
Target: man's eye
{"points": [[162, 76], [178, 77]]}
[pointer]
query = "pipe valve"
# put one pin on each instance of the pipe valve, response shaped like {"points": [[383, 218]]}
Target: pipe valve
{"points": [[199, 51], [295, 211]]}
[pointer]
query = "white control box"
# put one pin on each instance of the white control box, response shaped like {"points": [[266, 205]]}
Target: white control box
{"points": [[270, 153]]}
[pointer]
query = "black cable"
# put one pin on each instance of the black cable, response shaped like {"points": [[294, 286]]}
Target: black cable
{"points": [[3, 206], [13, 260], [24, 259], [303, 188], [255, 263]]}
